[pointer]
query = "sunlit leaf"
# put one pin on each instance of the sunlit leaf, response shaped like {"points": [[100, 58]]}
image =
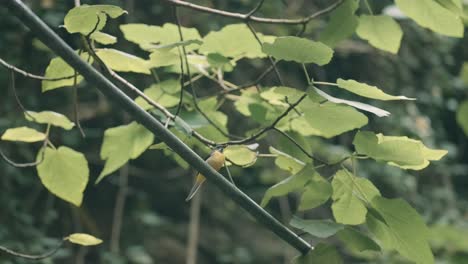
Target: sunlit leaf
{"points": [[403, 152], [50, 117], [233, 41], [241, 155], [83, 239], [103, 38], [286, 162], [277, 95], [343, 22], [300, 50], [327, 120], [147, 36], [123, 62], [165, 93], [161, 58], [396, 225], [84, 19], [368, 91], [121, 144], [58, 68], [381, 31], [64, 172], [23, 134], [431, 15], [350, 196], [318, 228]]}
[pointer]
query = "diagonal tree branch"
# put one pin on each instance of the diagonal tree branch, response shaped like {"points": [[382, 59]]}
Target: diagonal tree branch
{"points": [[50, 38]]}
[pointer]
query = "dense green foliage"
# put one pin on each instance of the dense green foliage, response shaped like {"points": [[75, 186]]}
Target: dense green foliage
{"points": [[345, 149]]}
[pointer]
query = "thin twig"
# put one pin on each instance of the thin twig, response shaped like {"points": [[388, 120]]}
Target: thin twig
{"points": [[76, 115], [119, 210], [229, 173], [272, 62], [27, 164], [33, 257], [191, 85], [30, 75], [246, 17], [255, 9]]}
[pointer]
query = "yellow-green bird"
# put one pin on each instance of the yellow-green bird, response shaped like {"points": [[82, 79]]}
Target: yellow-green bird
{"points": [[216, 161]]}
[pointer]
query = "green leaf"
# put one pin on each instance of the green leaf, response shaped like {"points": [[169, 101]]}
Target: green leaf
{"points": [[398, 226], [123, 62], [430, 14], [58, 68], [233, 41], [83, 239], [350, 196], [327, 120], [316, 193], [319, 228], [64, 172], [464, 73], [50, 117], [218, 61], [368, 91], [342, 23], [23, 134], [277, 95], [322, 253], [103, 38], [462, 116], [286, 162], [448, 236], [147, 35], [381, 31], [402, 152], [356, 241], [241, 155], [121, 144], [300, 50], [164, 93], [161, 58], [83, 19], [290, 184]]}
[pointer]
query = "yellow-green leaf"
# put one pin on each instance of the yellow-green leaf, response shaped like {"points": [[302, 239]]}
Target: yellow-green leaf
{"points": [[286, 162], [233, 41], [58, 68], [103, 38], [403, 152], [23, 134], [123, 62], [165, 93], [83, 239], [432, 15], [64, 172], [300, 50], [84, 19], [327, 120], [241, 155], [318, 228], [368, 91], [121, 144], [350, 196], [50, 117], [381, 31]]}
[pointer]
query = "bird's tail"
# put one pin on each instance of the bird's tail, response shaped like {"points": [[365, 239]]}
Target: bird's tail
{"points": [[199, 180]]}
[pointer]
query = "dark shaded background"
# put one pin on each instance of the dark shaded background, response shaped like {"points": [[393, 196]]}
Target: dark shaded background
{"points": [[156, 217]]}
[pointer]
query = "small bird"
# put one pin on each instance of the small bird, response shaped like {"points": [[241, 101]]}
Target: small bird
{"points": [[216, 161]]}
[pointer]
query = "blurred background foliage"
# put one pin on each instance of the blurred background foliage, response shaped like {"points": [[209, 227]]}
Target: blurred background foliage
{"points": [[156, 217]]}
